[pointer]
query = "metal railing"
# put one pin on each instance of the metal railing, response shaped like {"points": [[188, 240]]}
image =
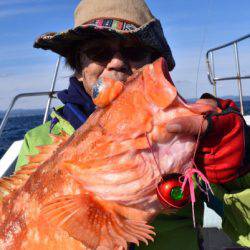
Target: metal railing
{"points": [[211, 70], [51, 94]]}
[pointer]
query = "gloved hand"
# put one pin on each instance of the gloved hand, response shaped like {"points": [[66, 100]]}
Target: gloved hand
{"points": [[224, 147], [190, 124]]}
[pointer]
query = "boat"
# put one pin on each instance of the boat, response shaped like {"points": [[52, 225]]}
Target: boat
{"points": [[8, 160], [213, 235]]}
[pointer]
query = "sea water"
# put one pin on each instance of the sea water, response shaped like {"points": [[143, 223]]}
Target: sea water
{"points": [[16, 128]]}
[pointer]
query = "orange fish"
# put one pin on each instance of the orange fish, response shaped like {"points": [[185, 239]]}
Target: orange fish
{"points": [[97, 188]]}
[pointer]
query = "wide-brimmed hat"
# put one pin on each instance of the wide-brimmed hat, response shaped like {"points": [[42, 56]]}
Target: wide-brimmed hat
{"points": [[122, 18]]}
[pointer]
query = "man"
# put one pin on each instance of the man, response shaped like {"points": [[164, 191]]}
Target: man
{"points": [[114, 39]]}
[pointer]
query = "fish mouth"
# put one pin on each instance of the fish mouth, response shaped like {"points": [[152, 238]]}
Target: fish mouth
{"points": [[105, 90]]}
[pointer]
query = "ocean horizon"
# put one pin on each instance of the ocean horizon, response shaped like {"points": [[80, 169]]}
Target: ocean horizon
{"points": [[22, 120], [35, 111]]}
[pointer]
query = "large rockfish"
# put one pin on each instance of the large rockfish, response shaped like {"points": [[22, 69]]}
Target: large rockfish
{"points": [[97, 188]]}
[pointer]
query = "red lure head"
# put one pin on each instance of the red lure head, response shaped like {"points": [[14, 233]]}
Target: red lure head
{"points": [[170, 194]]}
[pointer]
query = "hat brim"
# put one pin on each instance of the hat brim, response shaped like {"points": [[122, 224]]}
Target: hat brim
{"points": [[150, 34]]}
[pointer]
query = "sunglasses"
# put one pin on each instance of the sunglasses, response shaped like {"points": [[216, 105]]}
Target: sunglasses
{"points": [[104, 54]]}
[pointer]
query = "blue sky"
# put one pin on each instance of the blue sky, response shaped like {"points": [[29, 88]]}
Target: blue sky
{"points": [[186, 25]]}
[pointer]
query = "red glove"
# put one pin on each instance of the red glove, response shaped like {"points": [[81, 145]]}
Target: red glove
{"points": [[224, 149]]}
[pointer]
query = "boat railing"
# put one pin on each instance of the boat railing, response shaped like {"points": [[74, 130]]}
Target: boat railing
{"points": [[238, 77], [7, 162], [51, 94]]}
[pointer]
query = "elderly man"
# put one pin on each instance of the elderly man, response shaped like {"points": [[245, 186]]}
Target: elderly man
{"points": [[113, 39]]}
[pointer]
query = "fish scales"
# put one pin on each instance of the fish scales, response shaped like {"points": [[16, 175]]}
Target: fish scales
{"points": [[97, 189]]}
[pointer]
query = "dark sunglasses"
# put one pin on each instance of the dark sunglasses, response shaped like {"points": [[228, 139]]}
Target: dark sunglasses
{"points": [[104, 54]]}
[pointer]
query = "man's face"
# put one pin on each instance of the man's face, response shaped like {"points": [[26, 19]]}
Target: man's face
{"points": [[110, 58]]}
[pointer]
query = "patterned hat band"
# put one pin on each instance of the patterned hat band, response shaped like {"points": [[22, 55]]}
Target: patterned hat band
{"points": [[112, 23], [149, 34], [124, 19]]}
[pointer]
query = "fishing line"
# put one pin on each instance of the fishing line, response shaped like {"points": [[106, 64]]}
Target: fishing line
{"points": [[193, 172], [152, 152], [202, 46]]}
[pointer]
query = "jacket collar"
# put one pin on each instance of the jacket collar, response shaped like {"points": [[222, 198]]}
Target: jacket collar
{"points": [[77, 95], [78, 104]]}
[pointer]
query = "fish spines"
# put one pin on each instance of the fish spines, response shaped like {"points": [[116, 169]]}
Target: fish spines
{"points": [[19, 178], [107, 221]]}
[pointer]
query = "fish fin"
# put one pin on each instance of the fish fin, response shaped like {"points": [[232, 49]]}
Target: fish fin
{"points": [[159, 87], [59, 139], [97, 223], [45, 151], [17, 180]]}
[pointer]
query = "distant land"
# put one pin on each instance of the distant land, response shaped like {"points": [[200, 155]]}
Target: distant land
{"points": [[34, 112]]}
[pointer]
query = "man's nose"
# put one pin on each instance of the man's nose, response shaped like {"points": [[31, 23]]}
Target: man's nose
{"points": [[118, 63]]}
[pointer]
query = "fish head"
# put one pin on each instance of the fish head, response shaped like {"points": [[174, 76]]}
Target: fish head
{"points": [[130, 146], [126, 149], [170, 154]]}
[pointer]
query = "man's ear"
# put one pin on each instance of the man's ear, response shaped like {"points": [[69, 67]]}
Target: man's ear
{"points": [[158, 86]]}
